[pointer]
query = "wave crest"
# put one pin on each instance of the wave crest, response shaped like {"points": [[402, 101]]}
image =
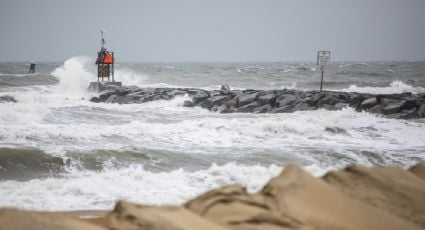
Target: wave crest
{"points": [[396, 86]]}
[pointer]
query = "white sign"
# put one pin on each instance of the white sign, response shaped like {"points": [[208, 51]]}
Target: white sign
{"points": [[323, 57]]}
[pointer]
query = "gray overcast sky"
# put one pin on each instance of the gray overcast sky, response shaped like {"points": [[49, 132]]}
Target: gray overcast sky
{"points": [[213, 30]]}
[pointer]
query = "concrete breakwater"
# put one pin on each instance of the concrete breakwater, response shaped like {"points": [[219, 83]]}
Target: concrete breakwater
{"points": [[401, 106]]}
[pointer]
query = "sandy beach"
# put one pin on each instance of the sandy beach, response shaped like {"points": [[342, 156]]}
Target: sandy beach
{"points": [[356, 197]]}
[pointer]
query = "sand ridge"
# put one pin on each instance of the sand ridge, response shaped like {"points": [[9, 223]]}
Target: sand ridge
{"points": [[356, 197]]}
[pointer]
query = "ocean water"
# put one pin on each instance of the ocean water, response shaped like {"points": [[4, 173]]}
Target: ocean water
{"points": [[59, 151]]}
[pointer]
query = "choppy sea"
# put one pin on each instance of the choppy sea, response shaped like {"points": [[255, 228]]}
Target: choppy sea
{"points": [[59, 151]]}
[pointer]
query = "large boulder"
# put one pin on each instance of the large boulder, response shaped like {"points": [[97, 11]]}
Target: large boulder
{"points": [[313, 100], [329, 100], [104, 96], [284, 109], [393, 107], [263, 109], [247, 98], [214, 101], [198, 95], [409, 114], [225, 89], [111, 98], [285, 100], [269, 98], [369, 103], [248, 108]]}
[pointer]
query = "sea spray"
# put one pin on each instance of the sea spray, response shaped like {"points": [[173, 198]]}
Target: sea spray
{"points": [[100, 190], [161, 152]]}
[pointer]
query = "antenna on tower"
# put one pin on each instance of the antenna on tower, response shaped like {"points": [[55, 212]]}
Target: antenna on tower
{"points": [[103, 40]]}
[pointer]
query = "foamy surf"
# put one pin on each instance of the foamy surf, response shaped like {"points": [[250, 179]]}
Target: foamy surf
{"points": [[396, 86], [161, 152], [100, 190]]}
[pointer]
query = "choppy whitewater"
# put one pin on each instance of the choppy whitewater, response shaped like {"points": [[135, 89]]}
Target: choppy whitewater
{"points": [[163, 153]]}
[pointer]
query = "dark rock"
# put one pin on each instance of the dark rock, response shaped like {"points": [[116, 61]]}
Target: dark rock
{"points": [[393, 116], [227, 110], [215, 108], [225, 89], [146, 98], [111, 98], [124, 100], [285, 100], [248, 108], [327, 107], [263, 109], [302, 106], [314, 99], [421, 111], [344, 97], [213, 101], [156, 97], [335, 130], [284, 109], [166, 97], [246, 99], [329, 100], [340, 105], [386, 101], [369, 103], [231, 104], [103, 97], [222, 108], [122, 92], [188, 104], [393, 107], [269, 99], [199, 96], [375, 109], [410, 104], [7, 98], [419, 101], [409, 114], [356, 100], [175, 92], [95, 100]]}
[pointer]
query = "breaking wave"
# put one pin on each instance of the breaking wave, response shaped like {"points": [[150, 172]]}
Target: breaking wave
{"points": [[100, 190], [394, 87]]}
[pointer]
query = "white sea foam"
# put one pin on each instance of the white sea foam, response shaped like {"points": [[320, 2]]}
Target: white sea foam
{"points": [[77, 72], [56, 119], [73, 75], [394, 87], [130, 77], [204, 132], [100, 190]]}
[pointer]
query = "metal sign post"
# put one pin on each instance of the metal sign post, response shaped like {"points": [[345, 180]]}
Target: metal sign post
{"points": [[323, 58]]}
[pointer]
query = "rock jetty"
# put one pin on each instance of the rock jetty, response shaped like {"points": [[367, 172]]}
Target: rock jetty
{"points": [[404, 105], [356, 197]]}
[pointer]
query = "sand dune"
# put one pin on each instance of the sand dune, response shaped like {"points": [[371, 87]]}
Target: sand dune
{"points": [[353, 198]]}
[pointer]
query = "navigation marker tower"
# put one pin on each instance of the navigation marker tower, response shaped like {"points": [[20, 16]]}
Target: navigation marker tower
{"points": [[105, 69]]}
